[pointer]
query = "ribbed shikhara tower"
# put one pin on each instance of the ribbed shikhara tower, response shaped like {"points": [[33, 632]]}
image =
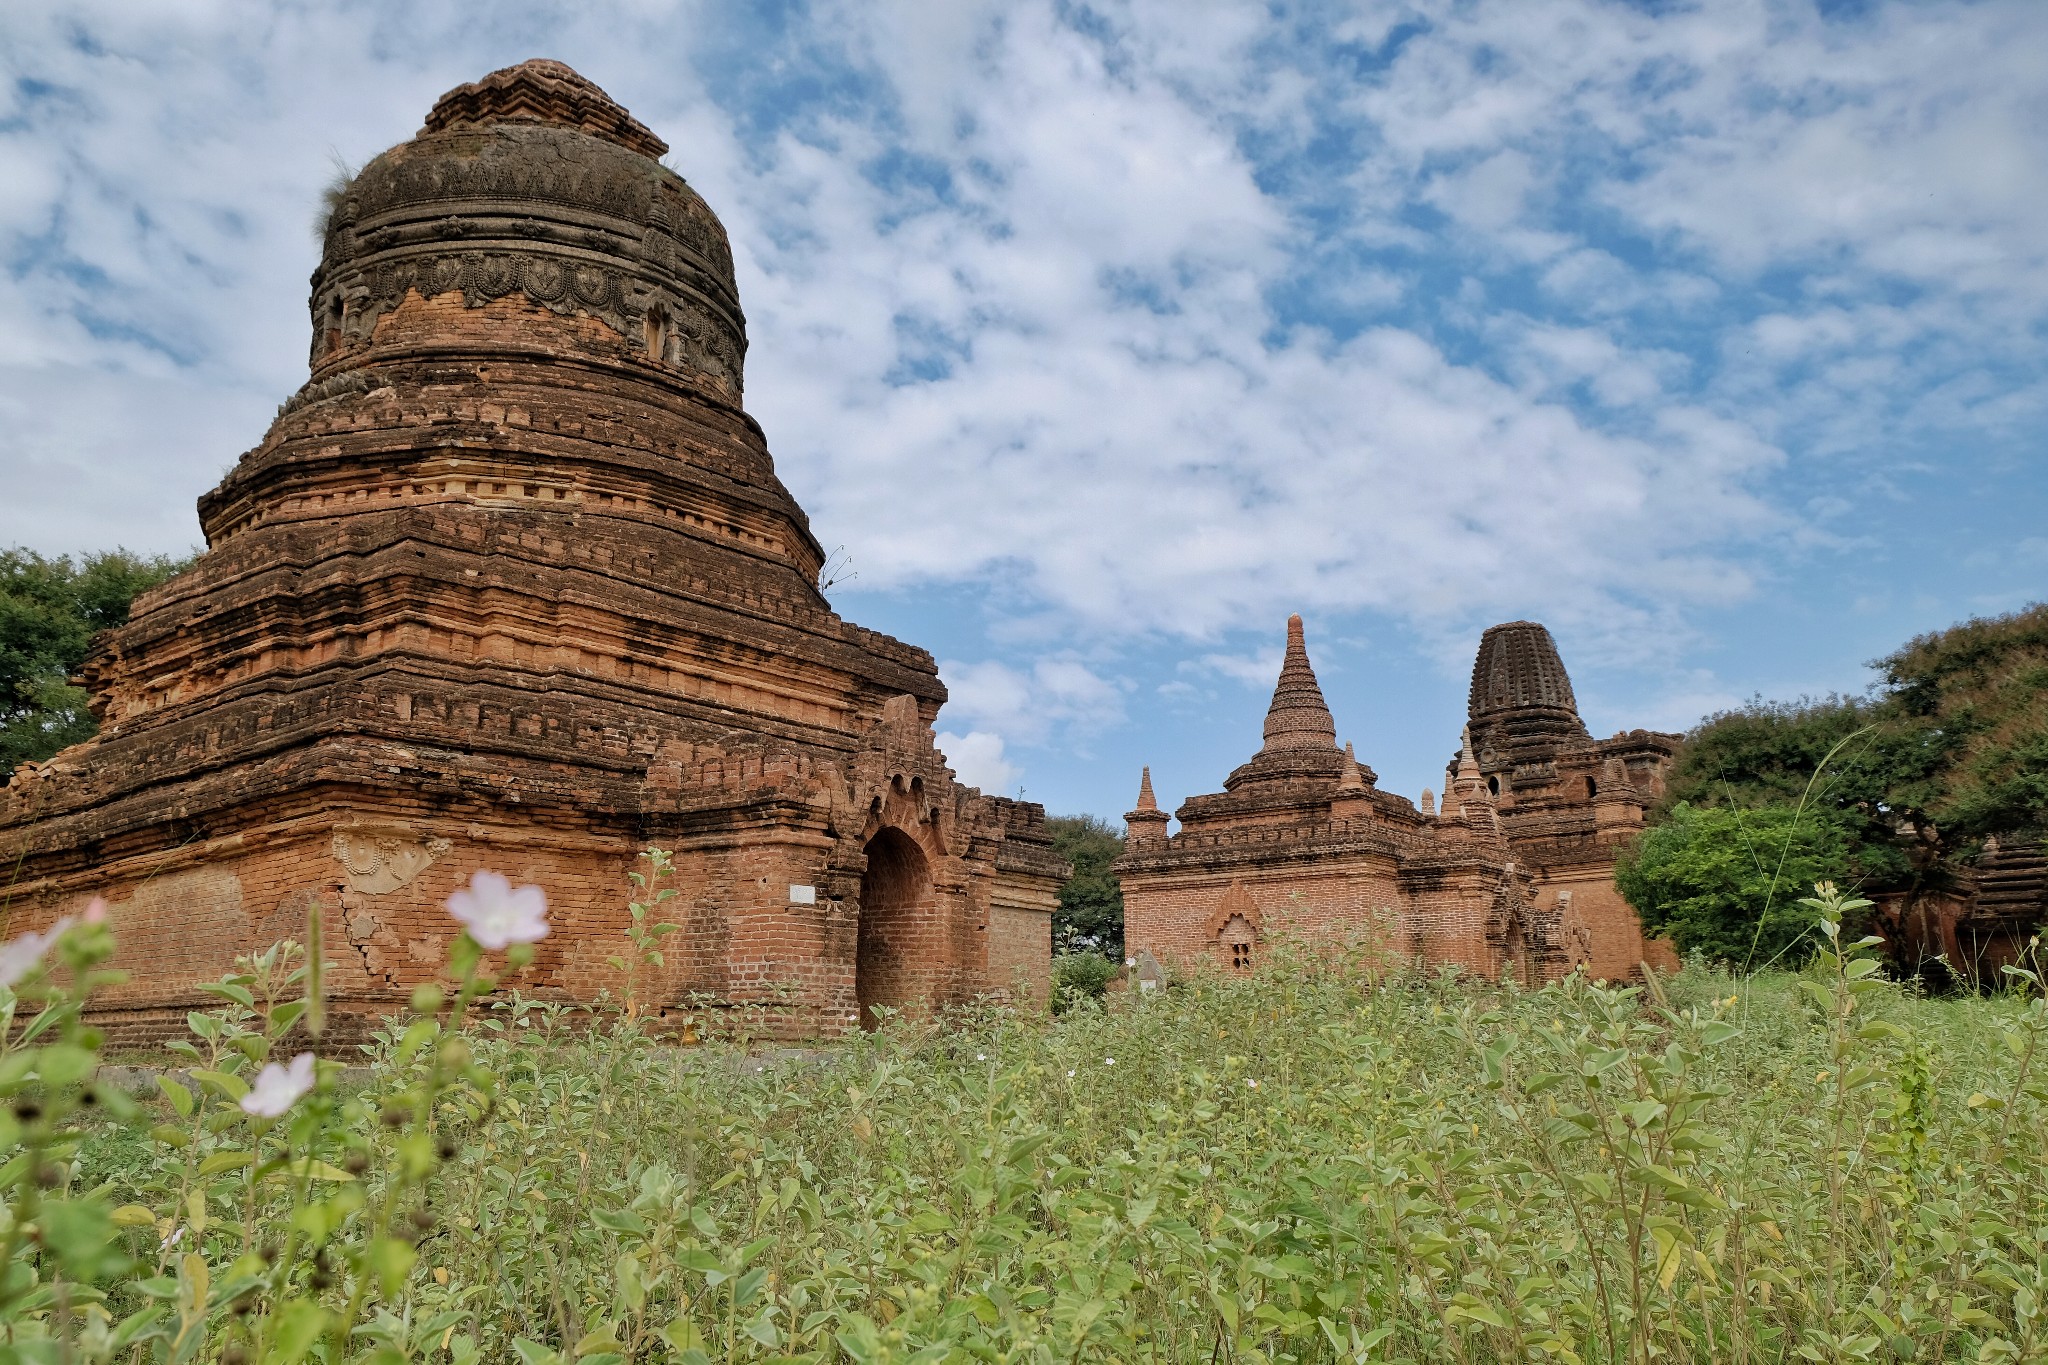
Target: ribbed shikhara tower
{"points": [[1514, 875], [511, 583], [1568, 802]]}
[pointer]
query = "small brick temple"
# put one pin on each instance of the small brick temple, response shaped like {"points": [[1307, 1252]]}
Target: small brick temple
{"points": [[511, 583], [1513, 876]]}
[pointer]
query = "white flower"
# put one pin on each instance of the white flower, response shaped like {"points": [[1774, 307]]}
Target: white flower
{"points": [[20, 956], [981, 1056], [1109, 1061], [1252, 1083], [1070, 1075], [278, 1088], [498, 914]]}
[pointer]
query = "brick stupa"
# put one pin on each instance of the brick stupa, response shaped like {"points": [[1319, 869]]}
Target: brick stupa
{"points": [[511, 583]]}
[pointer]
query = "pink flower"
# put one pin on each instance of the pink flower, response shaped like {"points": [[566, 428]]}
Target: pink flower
{"points": [[499, 914], [96, 910], [20, 956], [278, 1088]]}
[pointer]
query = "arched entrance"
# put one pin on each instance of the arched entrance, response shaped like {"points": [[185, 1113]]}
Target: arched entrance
{"points": [[1518, 958], [895, 903]]}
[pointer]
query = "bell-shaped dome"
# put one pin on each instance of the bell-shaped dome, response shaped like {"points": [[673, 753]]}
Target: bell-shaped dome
{"points": [[531, 183], [1518, 666]]}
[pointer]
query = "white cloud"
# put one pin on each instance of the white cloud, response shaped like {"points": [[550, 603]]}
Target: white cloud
{"points": [[1026, 705], [976, 758], [1258, 671], [1065, 358]]}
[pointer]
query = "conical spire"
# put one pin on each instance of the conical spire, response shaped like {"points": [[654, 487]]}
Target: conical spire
{"points": [[1467, 774], [1147, 823], [1299, 718], [1352, 780]]}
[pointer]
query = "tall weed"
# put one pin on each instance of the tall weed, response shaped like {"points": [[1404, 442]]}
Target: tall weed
{"points": [[1311, 1163]]}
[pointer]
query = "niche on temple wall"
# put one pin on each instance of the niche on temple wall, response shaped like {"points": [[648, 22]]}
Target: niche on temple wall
{"points": [[1235, 928], [1237, 938], [655, 328]]}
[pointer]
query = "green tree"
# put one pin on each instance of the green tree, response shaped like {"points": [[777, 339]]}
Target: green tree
{"points": [[1771, 754], [1977, 696], [1951, 747], [1091, 913], [1727, 882], [49, 611]]}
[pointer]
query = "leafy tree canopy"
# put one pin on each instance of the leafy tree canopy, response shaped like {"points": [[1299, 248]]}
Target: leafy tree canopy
{"points": [[1950, 748], [49, 611], [1726, 881], [1978, 692], [1091, 913]]}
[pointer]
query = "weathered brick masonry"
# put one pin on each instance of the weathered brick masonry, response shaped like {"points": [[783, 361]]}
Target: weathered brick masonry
{"points": [[511, 583], [1514, 875]]}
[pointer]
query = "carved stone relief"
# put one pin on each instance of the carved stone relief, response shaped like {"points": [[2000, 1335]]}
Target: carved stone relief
{"points": [[378, 859]]}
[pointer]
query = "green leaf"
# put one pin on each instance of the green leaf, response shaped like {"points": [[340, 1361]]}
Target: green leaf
{"points": [[603, 1339], [223, 1083], [296, 1326], [178, 1095], [317, 1170], [81, 1234], [1472, 1310], [683, 1335], [230, 990], [63, 1065], [224, 1161], [417, 1035], [391, 1261]]}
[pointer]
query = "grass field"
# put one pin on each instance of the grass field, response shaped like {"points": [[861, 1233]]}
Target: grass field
{"points": [[1317, 1163]]}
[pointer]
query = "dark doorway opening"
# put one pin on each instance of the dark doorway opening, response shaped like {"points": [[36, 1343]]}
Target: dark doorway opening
{"points": [[895, 901]]}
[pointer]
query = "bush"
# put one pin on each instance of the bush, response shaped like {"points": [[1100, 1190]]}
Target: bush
{"points": [[1080, 976], [1724, 883]]}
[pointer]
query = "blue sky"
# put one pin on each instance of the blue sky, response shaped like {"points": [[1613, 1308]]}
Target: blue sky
{"points": [[1103, 336]]}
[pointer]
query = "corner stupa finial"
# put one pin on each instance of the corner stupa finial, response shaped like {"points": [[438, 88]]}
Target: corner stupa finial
{"points": [[1145, 825], [1351, 779], [1468, 762]]}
